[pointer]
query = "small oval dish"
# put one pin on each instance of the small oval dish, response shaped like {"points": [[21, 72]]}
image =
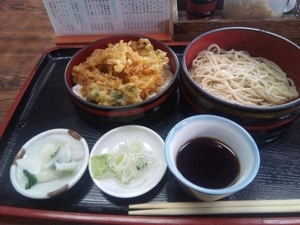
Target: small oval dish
{"points": [[144, 153], [49, 164]]}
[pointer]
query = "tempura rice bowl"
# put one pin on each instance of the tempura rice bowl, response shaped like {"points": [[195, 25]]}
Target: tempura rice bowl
{"points": [[263, 123], [155, 104]]}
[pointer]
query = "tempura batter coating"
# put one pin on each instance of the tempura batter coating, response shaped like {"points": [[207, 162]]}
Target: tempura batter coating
{"points": [[123, 73]]}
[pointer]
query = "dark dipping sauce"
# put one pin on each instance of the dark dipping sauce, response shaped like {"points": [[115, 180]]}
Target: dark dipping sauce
{"points": [[208, 163]]}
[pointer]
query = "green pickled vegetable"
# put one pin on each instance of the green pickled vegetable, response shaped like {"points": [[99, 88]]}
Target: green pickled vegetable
{"points": [[32, 180]]}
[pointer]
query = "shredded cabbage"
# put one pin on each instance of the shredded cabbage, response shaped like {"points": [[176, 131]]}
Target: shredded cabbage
{"points": [[131, 161]]}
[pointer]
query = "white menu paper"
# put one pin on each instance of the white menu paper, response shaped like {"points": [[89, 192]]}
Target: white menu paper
{"points": [[89, 17]]}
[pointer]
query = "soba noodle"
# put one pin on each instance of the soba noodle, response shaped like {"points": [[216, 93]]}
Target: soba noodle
{"points": [[237, 77]]}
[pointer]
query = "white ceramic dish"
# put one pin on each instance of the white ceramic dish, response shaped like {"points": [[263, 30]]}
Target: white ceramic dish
{"points": [[110, 141], [55, 187]]}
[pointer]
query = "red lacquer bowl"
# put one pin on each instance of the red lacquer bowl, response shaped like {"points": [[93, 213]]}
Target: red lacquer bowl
{"points": [[264, 123], [151, 106]]}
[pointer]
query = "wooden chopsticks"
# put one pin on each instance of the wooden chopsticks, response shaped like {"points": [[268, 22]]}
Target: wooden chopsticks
{"points": [[217, 207]]}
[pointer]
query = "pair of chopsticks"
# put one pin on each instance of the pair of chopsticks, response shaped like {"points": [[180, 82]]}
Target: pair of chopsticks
{"points": [[217, 207]]}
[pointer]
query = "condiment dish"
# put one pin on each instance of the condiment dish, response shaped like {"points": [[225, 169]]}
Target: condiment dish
{"points": [[111, 143], [29, 157]]}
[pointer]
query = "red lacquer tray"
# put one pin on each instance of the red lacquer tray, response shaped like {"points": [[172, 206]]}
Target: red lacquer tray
{"points": [[43, 104]]}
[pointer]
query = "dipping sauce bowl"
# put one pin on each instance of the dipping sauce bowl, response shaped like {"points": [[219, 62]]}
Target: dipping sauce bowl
{"points": [[211, 140]]}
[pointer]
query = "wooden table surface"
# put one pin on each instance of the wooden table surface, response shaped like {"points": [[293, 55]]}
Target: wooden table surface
{"points": [[25, 34]]}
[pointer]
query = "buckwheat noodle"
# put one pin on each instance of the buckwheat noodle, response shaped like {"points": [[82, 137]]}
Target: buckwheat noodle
{"points": [[237, 77]]}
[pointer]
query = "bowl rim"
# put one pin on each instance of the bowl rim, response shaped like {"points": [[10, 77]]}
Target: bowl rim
{"points": [[126, 107], [223, 191], [230, 104]]}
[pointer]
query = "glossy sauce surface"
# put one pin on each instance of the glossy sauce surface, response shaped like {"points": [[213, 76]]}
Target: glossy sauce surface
{"points": [[208, 163]]}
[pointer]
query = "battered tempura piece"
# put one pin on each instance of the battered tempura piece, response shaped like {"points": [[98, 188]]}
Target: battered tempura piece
{"points": [[122, 74]]}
